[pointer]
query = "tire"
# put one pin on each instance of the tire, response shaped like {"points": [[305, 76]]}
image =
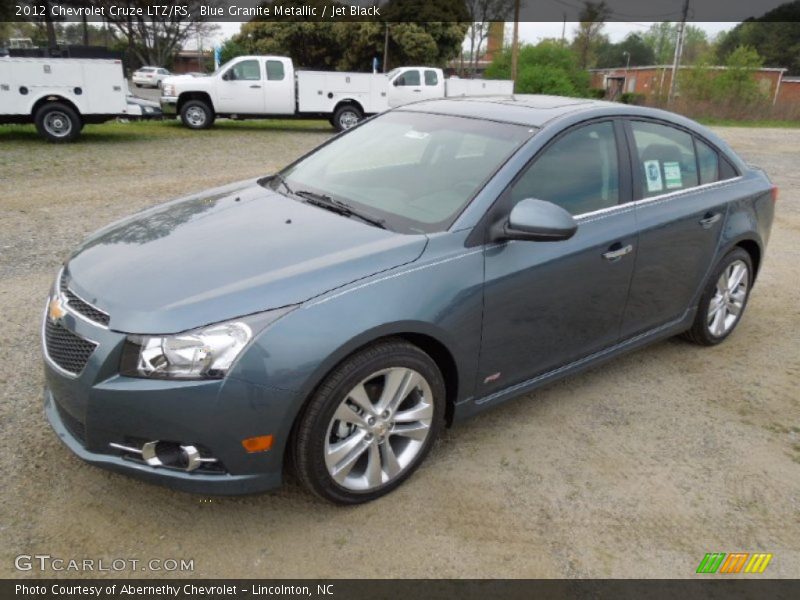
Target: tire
{"points": [[138, 85], [196, 114], [336, 441], [58, 123], [347, 116], [729, 301]]}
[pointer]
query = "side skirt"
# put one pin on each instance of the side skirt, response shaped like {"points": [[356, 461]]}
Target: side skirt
{"points": [[472, 406]]}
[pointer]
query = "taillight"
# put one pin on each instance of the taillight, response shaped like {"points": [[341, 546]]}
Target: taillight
{"points": [[774, 194]]}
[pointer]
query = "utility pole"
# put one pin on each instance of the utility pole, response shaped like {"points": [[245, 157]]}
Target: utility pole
{"points": [[386, 48], [515, 43], [564, 30], [676, 63]]}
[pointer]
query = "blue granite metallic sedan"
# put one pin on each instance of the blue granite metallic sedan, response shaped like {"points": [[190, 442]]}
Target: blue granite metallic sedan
{"points": [[418, 269]]}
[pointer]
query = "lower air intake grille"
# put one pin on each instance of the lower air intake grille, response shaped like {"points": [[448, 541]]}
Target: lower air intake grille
{"points": [[67, 350]]}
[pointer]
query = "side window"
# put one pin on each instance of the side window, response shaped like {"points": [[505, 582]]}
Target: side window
{"points": [[666, 160], [275, 70], [247, 70], [579, 172], [408, 78], [708, 161], [431, 78]]}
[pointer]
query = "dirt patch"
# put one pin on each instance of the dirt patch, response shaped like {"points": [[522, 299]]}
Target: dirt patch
{"points": [[635, 469]]}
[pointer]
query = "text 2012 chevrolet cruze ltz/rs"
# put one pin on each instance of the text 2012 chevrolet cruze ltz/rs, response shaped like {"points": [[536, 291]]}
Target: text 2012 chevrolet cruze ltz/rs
{"points": [[426, 265]]}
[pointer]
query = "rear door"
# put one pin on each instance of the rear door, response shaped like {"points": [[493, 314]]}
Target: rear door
{"points": [[681, 211], [241, 88], [279, 87], [433, 86]]}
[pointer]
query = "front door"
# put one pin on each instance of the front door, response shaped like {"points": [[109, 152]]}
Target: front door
{"points": [[406, 87], [241, 89], [547, 304]]}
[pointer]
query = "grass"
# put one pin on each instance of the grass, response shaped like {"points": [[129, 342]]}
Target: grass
{"points": [[773, 123], [114, 131]]}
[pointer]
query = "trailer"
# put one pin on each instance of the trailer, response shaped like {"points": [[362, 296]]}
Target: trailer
{"points": [[61, 95]]}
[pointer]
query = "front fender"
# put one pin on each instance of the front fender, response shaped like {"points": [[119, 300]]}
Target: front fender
{"points": [[439, 296]]}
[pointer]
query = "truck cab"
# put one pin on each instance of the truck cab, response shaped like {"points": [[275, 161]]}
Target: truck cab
{"points": [[245, 86], [411, 84]]}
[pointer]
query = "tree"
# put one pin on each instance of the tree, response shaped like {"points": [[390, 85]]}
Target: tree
{"points": [[155, 37], [589, 32], [546, 68], [481, 14], [353, 45], [616, 55], [775, 36]]}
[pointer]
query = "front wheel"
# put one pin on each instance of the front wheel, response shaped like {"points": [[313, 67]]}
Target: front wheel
{"points": [[196, 114], [723, 300], [58, 123], [370, 424], [346, 116]]}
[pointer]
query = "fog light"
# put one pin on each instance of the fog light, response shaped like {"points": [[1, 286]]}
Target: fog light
{"points": [[167, 454], [261, 443]]}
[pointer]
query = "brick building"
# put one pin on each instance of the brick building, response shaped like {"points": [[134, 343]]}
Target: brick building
{"points": [[654, 82]]}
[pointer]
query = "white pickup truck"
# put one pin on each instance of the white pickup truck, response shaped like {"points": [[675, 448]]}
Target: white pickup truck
{"points": [[269, 86], [61, 95]]}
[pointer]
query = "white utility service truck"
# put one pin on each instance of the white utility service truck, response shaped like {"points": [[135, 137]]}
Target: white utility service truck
{"points": [[61, 95], [269, 86]]}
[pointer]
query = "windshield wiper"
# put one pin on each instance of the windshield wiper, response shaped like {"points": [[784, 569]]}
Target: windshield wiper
{"points": [[282, 180], [339, 207]]}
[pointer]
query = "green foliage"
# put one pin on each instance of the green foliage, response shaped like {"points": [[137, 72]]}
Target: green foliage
{"points": [[776, 37], [632, 98], [546, 68], [351, 45], [614, 55], [661, 38], [731, 91]]}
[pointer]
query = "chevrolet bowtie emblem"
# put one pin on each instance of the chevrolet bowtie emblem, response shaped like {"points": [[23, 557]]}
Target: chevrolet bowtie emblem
{"points": [[55, 310]]}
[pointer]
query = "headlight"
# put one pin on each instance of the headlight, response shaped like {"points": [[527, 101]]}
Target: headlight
{"points": [[147, 109], [205, 353], [167, 89]]}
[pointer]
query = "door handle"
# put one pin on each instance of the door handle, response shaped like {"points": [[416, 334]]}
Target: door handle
{"points": [[614, 254], [255, 86], [709, 219]]}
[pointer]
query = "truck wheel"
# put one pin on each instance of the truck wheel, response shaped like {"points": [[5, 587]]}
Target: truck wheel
{"points": [[196, 114], [57, 122], [346, 116]]}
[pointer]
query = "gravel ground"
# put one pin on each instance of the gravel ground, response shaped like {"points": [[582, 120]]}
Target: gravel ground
{"points": [[634, 469]]}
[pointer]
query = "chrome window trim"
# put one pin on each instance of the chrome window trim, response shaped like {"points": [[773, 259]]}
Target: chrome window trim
{"points": [[661, 197]]}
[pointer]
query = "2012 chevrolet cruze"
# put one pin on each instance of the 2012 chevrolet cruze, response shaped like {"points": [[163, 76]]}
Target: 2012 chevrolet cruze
{"points": [[426, 265]]}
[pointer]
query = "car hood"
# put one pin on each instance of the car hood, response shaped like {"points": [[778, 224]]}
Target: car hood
{"points": [[226, 253]]}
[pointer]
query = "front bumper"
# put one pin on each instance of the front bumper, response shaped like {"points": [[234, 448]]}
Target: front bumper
{"points": [[95, 410], [169, 105], [198, 483]]}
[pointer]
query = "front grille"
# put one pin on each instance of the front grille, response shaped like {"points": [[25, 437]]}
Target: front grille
{"points": [[80, 306], [73, 425], [69, 351]]}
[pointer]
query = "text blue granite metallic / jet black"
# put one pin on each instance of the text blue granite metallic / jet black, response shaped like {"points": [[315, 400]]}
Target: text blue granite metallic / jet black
{"points": [[424, 266]]}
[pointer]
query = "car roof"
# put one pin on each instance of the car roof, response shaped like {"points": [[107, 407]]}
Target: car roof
{"points": [[522, 109]]}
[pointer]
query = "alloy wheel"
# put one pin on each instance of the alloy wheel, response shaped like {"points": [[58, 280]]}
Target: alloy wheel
{"points": [[378, 429], [728, 300]]}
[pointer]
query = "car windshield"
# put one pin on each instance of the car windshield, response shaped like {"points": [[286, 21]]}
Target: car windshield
{"points": [[413, 171]]}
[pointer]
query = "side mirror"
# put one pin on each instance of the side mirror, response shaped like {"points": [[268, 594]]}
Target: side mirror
{"points": [[536, 221], [227, 76]]}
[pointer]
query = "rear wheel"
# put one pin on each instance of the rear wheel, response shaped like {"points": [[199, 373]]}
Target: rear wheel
{"points": [[196, 114], [347, 116], [724, 299], [370, 424], [57, 122]]}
